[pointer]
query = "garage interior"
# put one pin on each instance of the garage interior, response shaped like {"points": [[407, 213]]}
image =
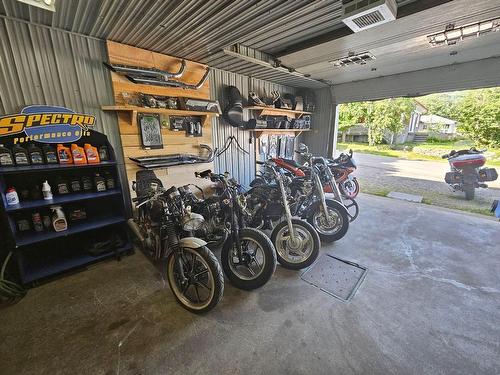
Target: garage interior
{"points": [[429, 302]]}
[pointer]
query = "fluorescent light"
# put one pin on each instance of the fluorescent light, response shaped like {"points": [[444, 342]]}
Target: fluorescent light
{"points": [[451, 35], [43, 4], [353, 59]]}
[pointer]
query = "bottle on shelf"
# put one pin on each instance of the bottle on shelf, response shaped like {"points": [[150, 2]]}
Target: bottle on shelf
{"points": [[36, 192], [62, 186], [35, 154], [64, 154], [78, 154], [11, 197], [99, 183], [36, 219], [6, 159], [47, 192], [91, 153], [103, 153], [20, 155], [50, 154], [22, 223], [58, 219], [75, 184], [110, 180], [87, 183]]}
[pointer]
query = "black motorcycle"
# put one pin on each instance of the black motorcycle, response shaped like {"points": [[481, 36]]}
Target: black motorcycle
{"points": [[248, 257], [162, 225], [296, 241]]}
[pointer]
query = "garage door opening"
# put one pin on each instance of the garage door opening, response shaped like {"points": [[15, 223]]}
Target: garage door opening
{"points": [[399, 145]]}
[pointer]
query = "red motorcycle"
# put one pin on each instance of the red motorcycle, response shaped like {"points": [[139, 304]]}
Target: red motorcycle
{"points": [[342, 167]]}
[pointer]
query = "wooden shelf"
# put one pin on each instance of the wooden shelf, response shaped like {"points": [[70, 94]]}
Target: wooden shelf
{"points": [[175, 112], [294, 132], [270, 111]]}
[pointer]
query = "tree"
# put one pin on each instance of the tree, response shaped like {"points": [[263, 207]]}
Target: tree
{"points": [[479, 116], [351, 114], [477, 112], [390, 115]]}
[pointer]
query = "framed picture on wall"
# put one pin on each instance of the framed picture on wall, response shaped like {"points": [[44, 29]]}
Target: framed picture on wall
{"points": [[150, 126]]}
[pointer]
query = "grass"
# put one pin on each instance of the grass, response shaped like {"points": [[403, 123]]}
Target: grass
{"points": [[419, 151]]}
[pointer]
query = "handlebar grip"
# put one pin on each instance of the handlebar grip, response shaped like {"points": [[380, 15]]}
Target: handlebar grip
{"points": [[203, 174], [444, 156], [259, 162]]}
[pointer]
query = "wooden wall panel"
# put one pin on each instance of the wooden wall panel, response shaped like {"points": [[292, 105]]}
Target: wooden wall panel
{"points": [[173, 142]]}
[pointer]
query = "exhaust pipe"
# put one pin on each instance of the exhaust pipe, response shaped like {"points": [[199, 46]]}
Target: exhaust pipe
{"points": [[135, 229]]}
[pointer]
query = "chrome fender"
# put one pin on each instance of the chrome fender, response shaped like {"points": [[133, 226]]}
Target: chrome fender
{"points": [[192, 242]]}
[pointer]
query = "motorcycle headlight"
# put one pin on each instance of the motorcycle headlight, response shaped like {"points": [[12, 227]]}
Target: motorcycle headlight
{"points": [[192, 221]]}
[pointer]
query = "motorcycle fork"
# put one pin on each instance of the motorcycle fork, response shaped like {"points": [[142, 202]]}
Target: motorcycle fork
{"points": [[319, 188], [288, 213]]}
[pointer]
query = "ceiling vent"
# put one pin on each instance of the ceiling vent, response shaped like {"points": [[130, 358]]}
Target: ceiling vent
{"points": [[362, 14]]}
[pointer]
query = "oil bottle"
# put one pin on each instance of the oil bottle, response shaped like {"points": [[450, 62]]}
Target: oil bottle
{"points": [[20, 155], [6, 158], [78, 154], [36, 155], [50, 154], [91, 153], [64, 154]]}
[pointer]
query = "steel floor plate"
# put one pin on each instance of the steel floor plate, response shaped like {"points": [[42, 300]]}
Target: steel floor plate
{"points": [[337, 277]]}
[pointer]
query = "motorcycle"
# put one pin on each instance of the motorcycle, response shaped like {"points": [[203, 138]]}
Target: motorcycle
{"points": [[296, 241], [248, 257], [466, 173], [342, 167], [193, 272]]}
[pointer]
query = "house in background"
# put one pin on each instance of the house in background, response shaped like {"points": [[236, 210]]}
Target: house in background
{"points": [[419, 128]]}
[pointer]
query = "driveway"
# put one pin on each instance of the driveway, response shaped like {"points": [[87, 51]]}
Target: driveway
{"points": [[382, 174], [429, 305]]}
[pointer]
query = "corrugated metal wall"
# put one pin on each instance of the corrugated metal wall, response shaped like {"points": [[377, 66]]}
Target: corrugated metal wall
{"points": [[320, 139], [39, 65], [237, 163]]}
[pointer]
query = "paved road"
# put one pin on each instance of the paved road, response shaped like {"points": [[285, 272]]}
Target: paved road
{"points": [[381, 174]]}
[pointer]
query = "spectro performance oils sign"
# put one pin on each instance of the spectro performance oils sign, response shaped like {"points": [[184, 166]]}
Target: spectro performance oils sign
{"points": [[46, 124]]}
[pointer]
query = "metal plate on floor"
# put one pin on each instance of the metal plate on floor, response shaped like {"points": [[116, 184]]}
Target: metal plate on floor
{"points": [[337, 277]]}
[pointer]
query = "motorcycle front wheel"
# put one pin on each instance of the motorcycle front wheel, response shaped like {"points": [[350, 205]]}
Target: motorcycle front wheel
{"points": [[302, 252], [202, 286], [258, 261], [349, 188], [333, 229]]}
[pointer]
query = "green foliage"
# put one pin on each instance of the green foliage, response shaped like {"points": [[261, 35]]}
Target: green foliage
{"points": [[477, 113], [352, 114]]}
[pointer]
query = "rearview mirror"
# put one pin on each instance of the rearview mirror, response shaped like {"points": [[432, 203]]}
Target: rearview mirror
{"points": [[303, 148]]}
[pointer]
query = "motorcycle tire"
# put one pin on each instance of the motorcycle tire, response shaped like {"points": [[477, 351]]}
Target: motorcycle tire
{"points": [[469, 191], [352, 193], [212, 269], [245, 280], [304, 230], [325, 235]]}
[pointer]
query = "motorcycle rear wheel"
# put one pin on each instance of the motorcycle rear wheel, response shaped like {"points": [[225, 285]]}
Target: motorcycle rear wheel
{"points": [[258, 263], [205, 279], [308, 237], [469, 191], [341, 224]]}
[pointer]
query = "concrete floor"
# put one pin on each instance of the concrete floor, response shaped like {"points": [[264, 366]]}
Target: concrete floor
{"points": [[430, 304]]}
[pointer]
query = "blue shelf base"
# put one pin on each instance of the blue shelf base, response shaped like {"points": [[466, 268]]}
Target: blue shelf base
{"points": [[53, 266], [53, 167], [61, 199], [73, 228]]}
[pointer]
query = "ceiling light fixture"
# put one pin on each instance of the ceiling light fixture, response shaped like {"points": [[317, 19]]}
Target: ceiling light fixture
{"points": [[451, 35], [43, 4], [353, 59]]}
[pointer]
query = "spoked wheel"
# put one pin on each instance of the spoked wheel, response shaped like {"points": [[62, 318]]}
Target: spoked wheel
{"points": [[258, 260], [349, 188], [335, 226], [202, 286], [352, 208], [299, 252]]}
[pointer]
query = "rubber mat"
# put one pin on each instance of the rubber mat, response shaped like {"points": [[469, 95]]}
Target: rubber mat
{"points": [[337, 277]]}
